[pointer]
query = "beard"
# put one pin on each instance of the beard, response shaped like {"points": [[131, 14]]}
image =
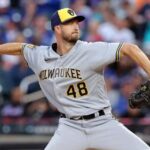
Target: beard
{"points": [[72, 38]]}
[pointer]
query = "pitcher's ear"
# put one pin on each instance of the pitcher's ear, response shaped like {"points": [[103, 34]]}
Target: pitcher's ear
{"points": [[57, 29]]}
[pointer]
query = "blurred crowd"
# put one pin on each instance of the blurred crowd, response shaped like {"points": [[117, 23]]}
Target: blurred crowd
{"points": [[28, 21]]}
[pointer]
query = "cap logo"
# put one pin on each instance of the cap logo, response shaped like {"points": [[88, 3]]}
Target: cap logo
{"points": [[71, 12]]}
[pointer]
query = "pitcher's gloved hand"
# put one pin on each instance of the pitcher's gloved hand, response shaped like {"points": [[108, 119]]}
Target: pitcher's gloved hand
{"points": [[141, 97]]}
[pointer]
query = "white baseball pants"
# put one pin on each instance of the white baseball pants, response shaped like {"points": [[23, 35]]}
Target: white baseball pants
{"points": [[101, 133]]}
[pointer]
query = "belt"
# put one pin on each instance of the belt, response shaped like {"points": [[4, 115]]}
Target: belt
{"points": [[85, 117]]}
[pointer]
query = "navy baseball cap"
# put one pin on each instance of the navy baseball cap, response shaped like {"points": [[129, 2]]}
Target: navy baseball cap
{"points": [[64, 15]]}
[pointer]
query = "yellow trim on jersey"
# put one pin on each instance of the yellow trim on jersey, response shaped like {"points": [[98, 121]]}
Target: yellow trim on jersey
{"points": [[22, 49], [118, 52], [64, 14], [22, 52]]}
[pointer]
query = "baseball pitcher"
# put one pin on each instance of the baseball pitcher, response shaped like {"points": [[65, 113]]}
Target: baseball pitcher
{"points": [[70, 73]]}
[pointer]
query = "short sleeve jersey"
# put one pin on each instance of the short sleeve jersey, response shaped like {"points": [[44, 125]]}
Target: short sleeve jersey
{"points": [[73, 83]]}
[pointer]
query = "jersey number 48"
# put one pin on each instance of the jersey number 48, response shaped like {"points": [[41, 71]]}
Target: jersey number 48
{"points": [[78, 89]]}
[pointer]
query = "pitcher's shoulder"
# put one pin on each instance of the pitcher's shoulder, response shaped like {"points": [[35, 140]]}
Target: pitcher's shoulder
{"points": [[80, 42], [32, 46], [88, 45], [44, 47]]}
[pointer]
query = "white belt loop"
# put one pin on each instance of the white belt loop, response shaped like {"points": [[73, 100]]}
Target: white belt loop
{"points": [[96, 114], [107, 110]]}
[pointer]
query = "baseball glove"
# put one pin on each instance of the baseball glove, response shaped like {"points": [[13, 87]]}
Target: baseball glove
{"points": [[141, 97]]}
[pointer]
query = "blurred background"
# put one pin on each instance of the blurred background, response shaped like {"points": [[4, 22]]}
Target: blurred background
{"points": [[27, 120]]}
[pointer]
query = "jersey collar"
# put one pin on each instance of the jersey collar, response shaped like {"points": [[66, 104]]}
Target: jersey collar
{"points": [[54, 48]]}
